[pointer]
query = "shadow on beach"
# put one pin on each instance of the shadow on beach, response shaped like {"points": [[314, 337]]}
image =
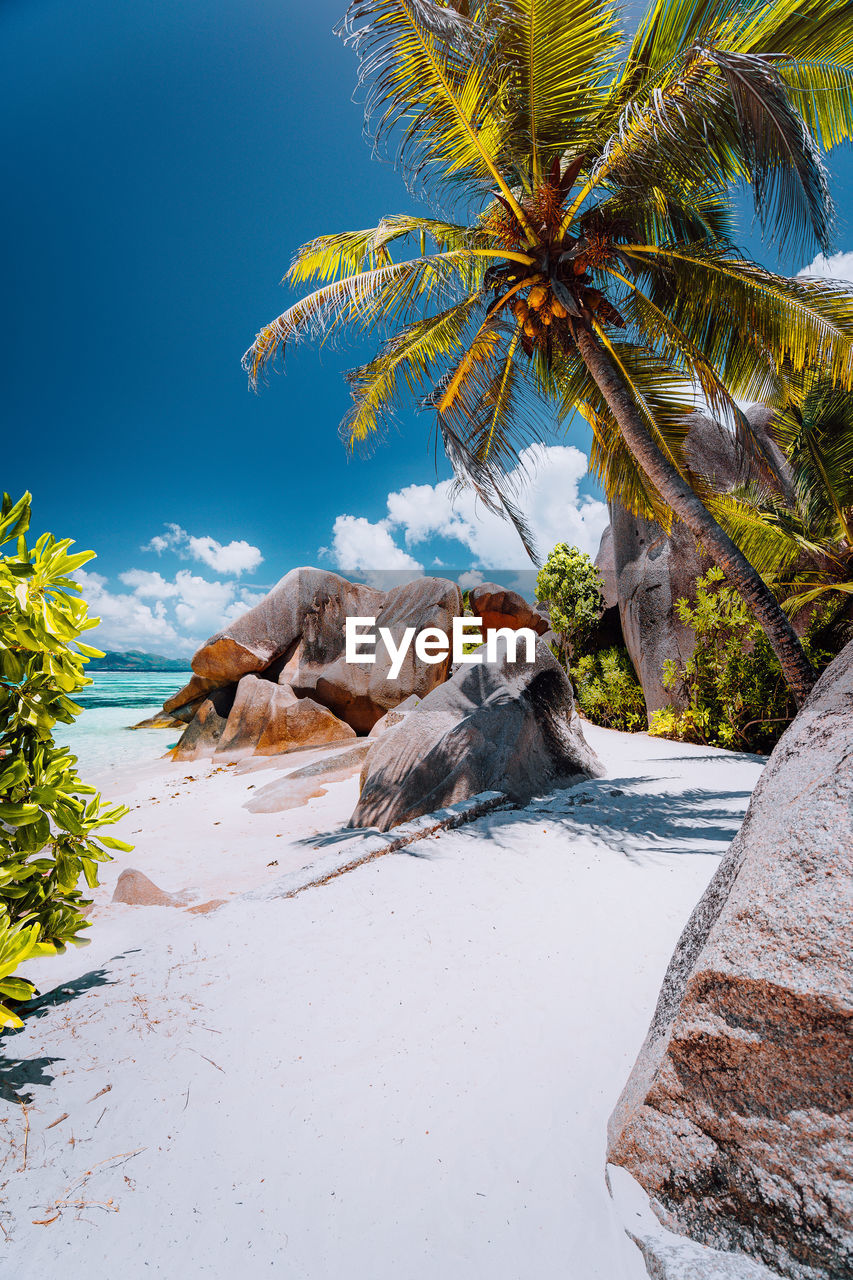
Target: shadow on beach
{"points": [[16, 1074]]}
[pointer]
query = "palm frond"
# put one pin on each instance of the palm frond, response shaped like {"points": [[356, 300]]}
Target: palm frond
{"points": [[771, 536], [681, 131], [407, 361], [667, 29], [783, 162], [489, 480], [432, 80], [720, 301], [818, 437], [665, 211], [800, 599], [561, 55], [488, 399], [802, 543], [801, 29], [347, 253], [719, 117], [385, 295], [822, 92]]}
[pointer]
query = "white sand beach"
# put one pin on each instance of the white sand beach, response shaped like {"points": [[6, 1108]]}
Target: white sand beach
{"points": [[405, 1072]]}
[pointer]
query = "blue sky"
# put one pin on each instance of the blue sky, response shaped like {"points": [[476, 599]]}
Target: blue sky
{"points": [[162, 161]]}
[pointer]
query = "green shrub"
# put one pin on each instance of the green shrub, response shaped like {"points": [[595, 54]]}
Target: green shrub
{"points": [[608, 691], [571, 585], [49, 819], [733, 687]]}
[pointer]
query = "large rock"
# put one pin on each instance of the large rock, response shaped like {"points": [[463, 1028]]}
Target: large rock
{"points": [[737, 1118], [360, 693], [202, 734], [646, 571], [299, 786], [268, 719], [605, 563], [498, 726], [653, 571], [192, 695], [271, 629], [395, 716], [296, 636], [499, 607]]}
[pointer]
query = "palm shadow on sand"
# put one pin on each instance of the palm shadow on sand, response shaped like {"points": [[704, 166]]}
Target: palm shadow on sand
{"points": [[610, 813]]}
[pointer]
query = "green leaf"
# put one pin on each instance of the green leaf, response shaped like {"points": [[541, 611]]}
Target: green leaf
{"points": [[110, 842]]}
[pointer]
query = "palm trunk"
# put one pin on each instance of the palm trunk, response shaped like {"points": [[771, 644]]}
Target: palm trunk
{"points": [[691, 511]]}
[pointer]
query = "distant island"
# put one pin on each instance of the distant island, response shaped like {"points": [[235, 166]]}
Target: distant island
{"points": [[136, 660]]}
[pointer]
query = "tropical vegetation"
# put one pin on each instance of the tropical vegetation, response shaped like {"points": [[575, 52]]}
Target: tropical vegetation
{"points": [[50, 821], [582, 248], [731, 689], [570, 584], [799, 534], [607, 689]]}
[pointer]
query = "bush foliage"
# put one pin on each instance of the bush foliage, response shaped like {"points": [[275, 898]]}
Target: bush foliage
{"points": [[50, 821], [733, 685], [608, 691], [571, 585]]}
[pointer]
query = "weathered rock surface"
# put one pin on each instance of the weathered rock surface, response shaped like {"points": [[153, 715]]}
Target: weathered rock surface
{"points": [[653, 570], [737, 1118], [296, 636], [395, 716], [268, 719], [646, 571], [499, 726], [134, 888], [202, 734], [606, 565], [298, 786], [672, 1257], [160, 721], [271, 629], [500, 607], [192, 694], [361, 693]]}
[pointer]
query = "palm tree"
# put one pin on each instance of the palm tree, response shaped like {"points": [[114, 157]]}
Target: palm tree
{"points": [[591, 259], [800, 538]]}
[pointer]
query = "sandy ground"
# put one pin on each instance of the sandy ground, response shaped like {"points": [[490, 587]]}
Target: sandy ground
{"points": [[193, 834], [403, 1074]]}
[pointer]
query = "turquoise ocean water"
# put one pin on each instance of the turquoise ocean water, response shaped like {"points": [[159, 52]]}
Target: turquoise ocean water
{"points": [[101, 737]]}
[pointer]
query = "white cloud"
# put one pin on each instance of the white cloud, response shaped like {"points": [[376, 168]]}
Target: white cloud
{"points": [[838, 266], [471, 579], [547, 487], [232, 558], [183, 614], [201, 605], [174, 539], [126, 621], [358, 545], [148, 585]]}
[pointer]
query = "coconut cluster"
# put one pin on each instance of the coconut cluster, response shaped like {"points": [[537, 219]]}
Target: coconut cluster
{"points": [[538, 310]]}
